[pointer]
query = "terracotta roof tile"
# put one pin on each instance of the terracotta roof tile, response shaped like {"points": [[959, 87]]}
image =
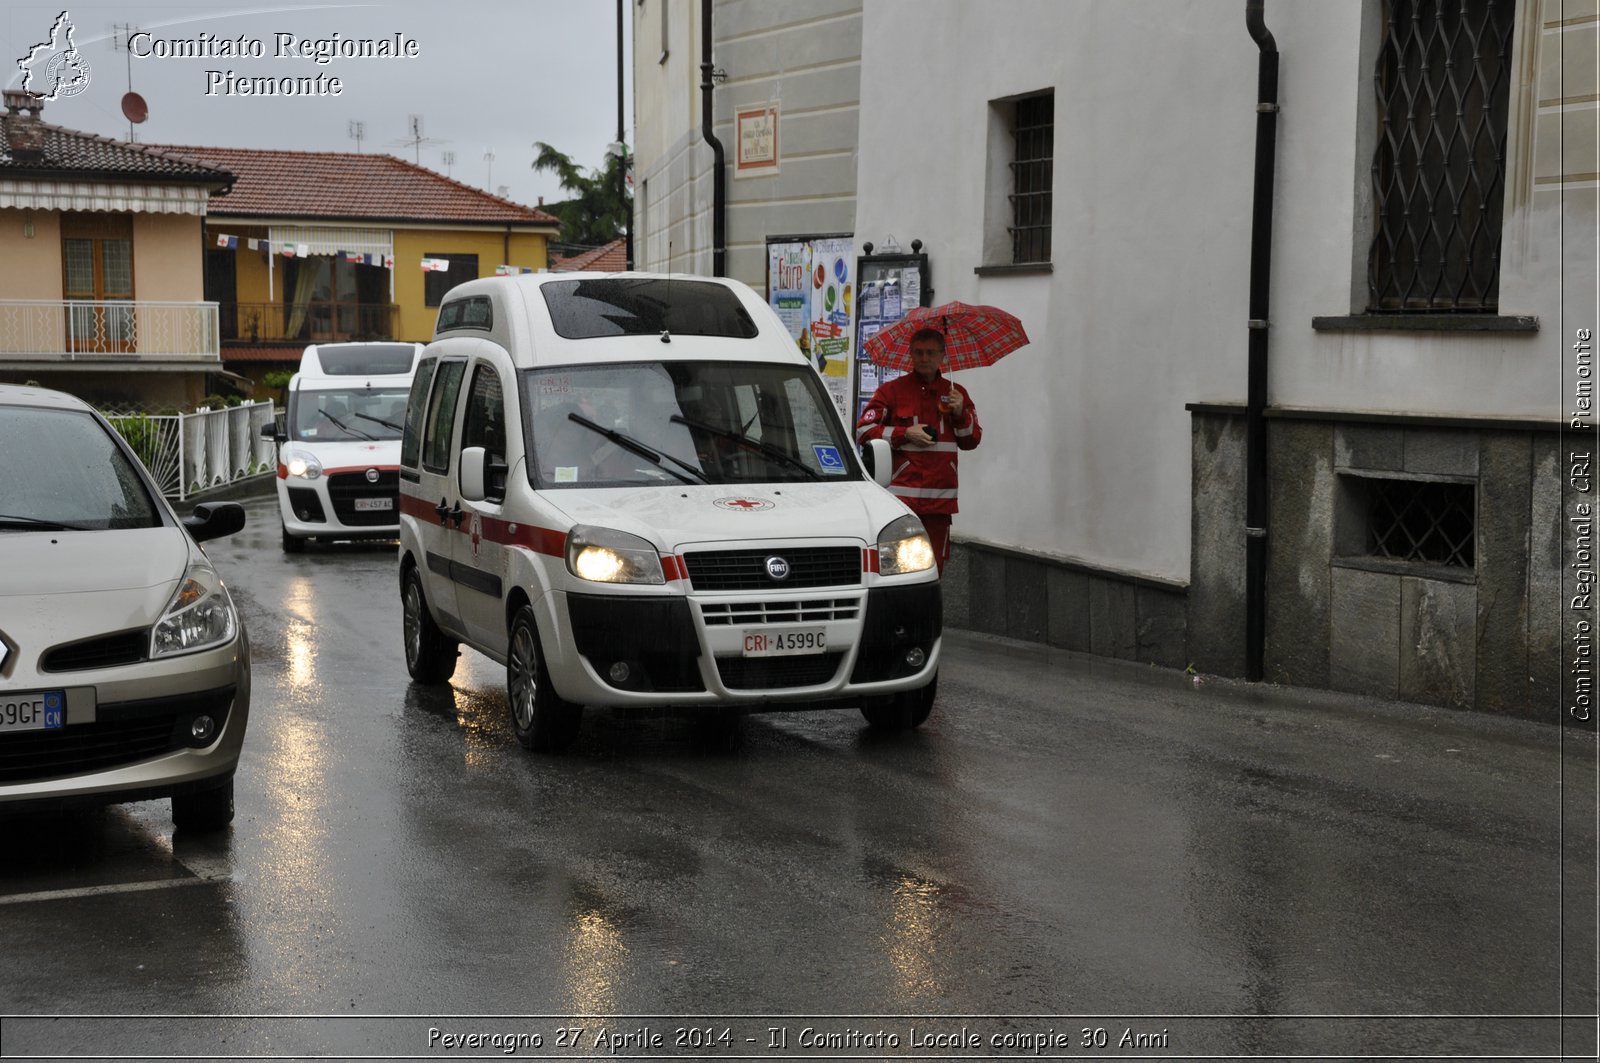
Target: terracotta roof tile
{"points": [[70, 153], [336, 184], [607, 258]]}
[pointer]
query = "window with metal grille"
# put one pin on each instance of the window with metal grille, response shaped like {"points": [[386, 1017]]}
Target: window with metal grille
{"points": [[1033, 133], [1416, 520], [1438, 174]]}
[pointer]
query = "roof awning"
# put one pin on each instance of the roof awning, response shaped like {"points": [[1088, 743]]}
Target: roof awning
{"points": [[107, 196], [333, 240]]}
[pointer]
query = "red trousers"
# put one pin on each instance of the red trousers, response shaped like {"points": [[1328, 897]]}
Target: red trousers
{"points": [[938, 525]]}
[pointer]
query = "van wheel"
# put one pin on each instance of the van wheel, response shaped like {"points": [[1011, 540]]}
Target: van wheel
{"points": [[545, 722], [430, 656], [903, 711], [204, 810], [293, 544]]}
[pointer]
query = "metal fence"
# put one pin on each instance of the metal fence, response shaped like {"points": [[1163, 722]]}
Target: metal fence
{"points": [[190, 452]]}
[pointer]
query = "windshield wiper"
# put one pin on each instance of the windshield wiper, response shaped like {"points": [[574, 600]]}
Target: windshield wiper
{"points": [[632, 445], [10, 520], [380, 420], [776, 453], [344, 427]]}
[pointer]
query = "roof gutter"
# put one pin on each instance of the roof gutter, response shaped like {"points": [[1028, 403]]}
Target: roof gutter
{"points": [[1256, 508], [719, 175]]}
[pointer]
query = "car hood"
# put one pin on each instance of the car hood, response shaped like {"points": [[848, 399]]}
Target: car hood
{"points": [[691, 514], [348, 454]]}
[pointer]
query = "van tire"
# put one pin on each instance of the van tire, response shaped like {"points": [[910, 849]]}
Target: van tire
{"points": [[544, 721], [430, 655], [293, 544], [204, 810], [903, 711]]}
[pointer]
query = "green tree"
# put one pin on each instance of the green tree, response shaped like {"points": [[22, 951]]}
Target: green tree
{"points": [[601, 206]]}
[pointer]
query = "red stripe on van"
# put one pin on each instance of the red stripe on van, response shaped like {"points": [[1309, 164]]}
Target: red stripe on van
{"points": [[869, 560], [359, 468], [672, 567]]}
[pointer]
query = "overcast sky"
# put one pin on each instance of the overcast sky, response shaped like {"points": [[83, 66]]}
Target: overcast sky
{"points": [[489, 77]]}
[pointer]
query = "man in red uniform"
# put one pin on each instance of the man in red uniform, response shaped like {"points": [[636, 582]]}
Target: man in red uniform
{"points": [[926, 419]]}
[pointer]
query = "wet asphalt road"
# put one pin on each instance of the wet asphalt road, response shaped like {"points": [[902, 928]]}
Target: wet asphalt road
{"points": [[1079, 840]]}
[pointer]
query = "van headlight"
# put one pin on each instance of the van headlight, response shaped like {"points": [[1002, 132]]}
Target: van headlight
{"points": [[200, 615], [304, 465], [603, 555], [903, 546]]}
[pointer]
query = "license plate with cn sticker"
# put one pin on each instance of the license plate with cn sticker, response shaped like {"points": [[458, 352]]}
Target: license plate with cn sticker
{"points": [[791, 643], [369, 505], [34, 710]]}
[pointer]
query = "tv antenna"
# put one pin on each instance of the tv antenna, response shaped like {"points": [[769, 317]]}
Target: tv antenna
{"points": [[358, 133], [488, 181], [417, 139], [134, 109], [449, 161]]}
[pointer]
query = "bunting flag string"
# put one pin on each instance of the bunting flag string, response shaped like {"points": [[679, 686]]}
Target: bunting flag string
{"points": [[435, 264], [511, 271], [227, 241]]}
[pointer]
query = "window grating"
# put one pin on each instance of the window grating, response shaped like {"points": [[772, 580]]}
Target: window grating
{"points": [[1417, 520], [1032, 175], [1443, 85]]}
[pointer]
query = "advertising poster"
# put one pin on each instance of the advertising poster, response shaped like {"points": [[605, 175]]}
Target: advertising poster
{"points": [[789, 284], [811, 286], [890, 285]]}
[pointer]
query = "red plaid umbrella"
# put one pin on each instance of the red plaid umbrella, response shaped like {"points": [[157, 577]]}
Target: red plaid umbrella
{"points": [[973, 336]]}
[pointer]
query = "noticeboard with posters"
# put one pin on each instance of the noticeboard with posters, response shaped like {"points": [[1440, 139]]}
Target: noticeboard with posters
{"points": [[810, 284], [887, 287]]}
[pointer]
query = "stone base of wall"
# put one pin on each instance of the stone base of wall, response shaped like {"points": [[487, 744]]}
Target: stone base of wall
{"points": [[1067, 605]]}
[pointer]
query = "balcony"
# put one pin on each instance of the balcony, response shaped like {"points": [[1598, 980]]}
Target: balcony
{"points": [[111, 330], [307, 322]]}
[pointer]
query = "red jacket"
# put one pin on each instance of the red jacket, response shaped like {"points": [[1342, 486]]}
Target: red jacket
{"points": [[924, 477]]}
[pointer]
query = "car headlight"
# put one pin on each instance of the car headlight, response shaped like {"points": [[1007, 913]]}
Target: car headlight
{"points": [[200, 615], [903, 546], [603, 555], [304, 465]]}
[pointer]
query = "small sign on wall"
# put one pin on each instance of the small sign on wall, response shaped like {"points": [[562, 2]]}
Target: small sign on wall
{"points": [[757, 153]]}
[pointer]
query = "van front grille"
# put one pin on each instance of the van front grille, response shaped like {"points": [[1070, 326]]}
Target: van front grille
{"points": [[810, 610], [772, 673], [746, 570], [345, 487]]}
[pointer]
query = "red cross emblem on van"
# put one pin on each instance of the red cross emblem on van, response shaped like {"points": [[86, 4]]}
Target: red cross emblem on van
{"points": [[743, 505]]}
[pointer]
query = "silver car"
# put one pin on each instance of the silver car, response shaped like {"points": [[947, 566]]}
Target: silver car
{"points": [[124, 668]]}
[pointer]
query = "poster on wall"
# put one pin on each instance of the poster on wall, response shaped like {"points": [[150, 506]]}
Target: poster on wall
{"points": [[889, 286], [811, 286]]}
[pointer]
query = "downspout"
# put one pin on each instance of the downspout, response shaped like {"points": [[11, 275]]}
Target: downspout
{"points": [[1256, 514], [622, 160], [719, 177]]}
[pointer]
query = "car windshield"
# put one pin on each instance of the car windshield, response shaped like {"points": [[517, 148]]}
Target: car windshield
{"points": [[63, 471], [682, 422], [343, 414]]}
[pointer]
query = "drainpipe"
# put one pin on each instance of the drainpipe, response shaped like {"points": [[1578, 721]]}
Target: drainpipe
{"points": [[719, 177], [1256, 517], [622, 160]]}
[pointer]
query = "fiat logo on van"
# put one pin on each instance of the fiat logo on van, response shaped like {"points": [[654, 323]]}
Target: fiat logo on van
{"points": [[372, 476], [777, 567]]}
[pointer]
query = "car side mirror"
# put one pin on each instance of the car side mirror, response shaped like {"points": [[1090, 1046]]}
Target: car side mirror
{"points": [[213, 520], [879, 460], [471, 470]]}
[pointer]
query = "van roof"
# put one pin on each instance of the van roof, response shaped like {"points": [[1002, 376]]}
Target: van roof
{"points": [[360, 359], [565, 318]]}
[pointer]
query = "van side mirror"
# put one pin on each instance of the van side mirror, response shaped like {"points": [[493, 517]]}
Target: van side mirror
{"points": [[879, 460], [269, 431], [213, 520], [470, 470]]}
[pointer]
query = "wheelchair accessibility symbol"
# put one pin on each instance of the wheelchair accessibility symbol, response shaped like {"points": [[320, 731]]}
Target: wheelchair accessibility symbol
{"points": [[830, 459]]}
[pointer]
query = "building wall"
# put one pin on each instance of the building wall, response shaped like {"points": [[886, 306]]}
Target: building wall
{"points": [[168, 259], [30, 266]]}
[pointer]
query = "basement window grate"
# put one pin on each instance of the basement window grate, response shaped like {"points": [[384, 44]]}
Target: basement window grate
{"points": [[1420, 520]]}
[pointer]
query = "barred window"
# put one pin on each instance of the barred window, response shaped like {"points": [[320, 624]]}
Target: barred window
{"points": [[1033, 129], [1412, 520], [1438, 174]]}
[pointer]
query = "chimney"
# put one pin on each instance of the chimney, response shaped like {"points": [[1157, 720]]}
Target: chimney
{"points": [[24, 135], [541, 201]]}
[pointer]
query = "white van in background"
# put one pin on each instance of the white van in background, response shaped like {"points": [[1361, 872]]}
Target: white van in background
{"points": [[339, 445], [633, 490]]}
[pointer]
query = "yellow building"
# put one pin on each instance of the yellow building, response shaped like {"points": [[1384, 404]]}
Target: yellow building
{"points": [[101, 289], [315, 247]]}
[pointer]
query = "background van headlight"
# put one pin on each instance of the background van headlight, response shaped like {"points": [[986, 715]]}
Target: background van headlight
{"points": [[306, 466], [604, 555], [200, 615], [903, 546]]}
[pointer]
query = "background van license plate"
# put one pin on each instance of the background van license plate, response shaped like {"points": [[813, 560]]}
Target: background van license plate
{"points": [[364, 505], [785, 643], [37, 710]]}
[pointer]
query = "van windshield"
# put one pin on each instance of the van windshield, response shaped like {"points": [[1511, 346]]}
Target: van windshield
{"points": [[638, 423], [343, 414]]}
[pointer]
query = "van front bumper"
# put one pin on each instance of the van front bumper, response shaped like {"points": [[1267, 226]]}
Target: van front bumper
{"points": [[684, 650], [325, 507]]}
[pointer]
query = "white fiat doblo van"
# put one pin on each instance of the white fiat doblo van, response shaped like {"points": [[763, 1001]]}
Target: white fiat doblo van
{"points": [[632, 490], [339, 447]]}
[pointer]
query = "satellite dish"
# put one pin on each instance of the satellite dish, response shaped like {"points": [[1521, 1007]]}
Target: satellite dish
{"points": [[134, 109]]}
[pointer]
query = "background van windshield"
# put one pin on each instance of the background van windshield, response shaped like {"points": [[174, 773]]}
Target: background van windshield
{"points": [[367, 359], [711, 422], [645, 306], [345, 414], [61, 467]]}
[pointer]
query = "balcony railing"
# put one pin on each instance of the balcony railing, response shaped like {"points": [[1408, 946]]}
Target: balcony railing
{"points": [[107, 329], [308, 322]]}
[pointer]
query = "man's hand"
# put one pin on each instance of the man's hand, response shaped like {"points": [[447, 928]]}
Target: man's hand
{"points": [[955, 402], [919, 436]]}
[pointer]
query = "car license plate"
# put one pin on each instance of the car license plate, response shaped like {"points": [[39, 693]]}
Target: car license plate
{"points": [[33, 710], [367, 505], [795, 643]]}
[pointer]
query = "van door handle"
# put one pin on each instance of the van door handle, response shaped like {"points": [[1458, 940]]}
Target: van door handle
{"points": [[458, 514], [443, 509]]}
